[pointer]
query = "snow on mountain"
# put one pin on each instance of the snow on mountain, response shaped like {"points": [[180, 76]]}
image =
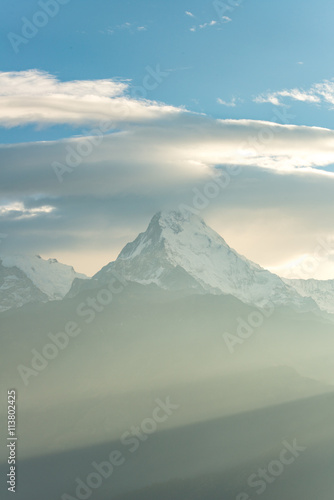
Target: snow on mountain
{"points": [[178, 250], [26, 279], [321, 291], [16, 289]]}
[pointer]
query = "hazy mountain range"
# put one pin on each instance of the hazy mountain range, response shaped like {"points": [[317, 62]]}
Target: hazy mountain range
{"points": [[178, 251]]}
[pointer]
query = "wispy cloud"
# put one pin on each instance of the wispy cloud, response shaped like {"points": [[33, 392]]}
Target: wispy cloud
{"points": [[17, 210], [204, 25], [190, 14], [319, 93], [130, 27], [231, 104]]}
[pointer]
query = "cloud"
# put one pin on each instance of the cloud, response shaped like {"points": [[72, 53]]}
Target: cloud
{"points": [[319, 93], [190, 14], [34, 82], [205, 25], [36, 97], [17, 210], [166, 153], [230, 104], [148, 166], [130, 27]]}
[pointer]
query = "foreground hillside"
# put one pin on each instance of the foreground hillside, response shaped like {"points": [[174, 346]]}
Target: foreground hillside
{"points": [[233, 409]]}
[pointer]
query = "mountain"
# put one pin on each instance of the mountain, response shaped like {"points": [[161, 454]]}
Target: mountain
{"points": [[25, 279], [321, 291], [179, 251]]}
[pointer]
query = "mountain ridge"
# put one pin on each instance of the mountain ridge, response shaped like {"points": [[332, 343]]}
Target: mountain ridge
{"points": [[25, 279], [177, 251]]}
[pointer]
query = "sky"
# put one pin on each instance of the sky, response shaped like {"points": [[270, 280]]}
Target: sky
{"points": [[113, 110]]}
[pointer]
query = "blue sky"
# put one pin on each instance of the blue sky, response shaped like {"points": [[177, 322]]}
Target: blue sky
{"points": [[190, 88]]}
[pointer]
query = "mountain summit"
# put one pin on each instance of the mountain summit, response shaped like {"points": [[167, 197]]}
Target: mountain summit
{"points": [[179, 251]]}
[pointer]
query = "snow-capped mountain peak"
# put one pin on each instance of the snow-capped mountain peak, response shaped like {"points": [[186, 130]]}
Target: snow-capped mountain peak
{"points": [[178, 250], [174, 229]]}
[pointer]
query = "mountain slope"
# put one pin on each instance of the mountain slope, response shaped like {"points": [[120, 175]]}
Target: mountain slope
{"points": [[178, 250], [321, 291], [25, 279], [16, 289]]}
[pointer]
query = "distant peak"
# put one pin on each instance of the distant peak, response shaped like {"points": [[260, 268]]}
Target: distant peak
{"points": [[175, 219], [179, 214]]}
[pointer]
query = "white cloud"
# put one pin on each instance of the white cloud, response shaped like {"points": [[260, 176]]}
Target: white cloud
{"points": [[130, 27], [17, 210], [232, 103], [34, 82], [205, 25], [36, 97], [319, 93], [208, 24], [190, 14]]}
